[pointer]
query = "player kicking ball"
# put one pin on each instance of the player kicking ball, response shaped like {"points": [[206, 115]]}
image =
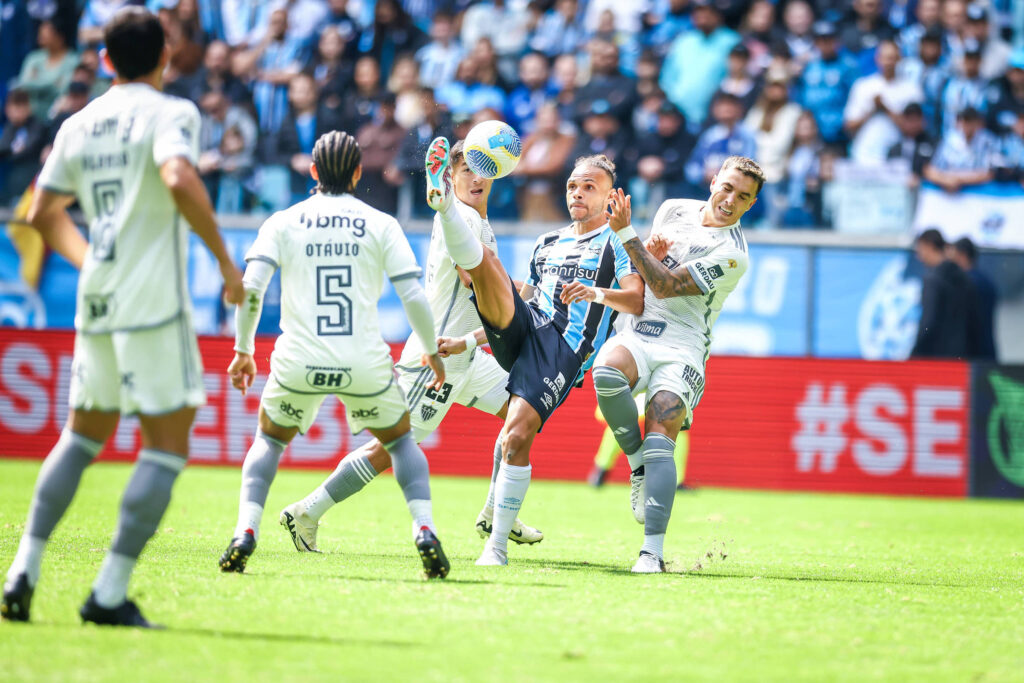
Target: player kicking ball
{"points": [[333, 251], [472, 379], [129, 158], [579, 276], [698, 254]]}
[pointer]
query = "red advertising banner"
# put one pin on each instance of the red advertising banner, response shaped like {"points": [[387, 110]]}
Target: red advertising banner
{"points": [[798, 424]]}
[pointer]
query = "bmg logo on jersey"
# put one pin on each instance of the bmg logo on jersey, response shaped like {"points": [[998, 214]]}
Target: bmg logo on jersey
{"points": [[363, 414], [329, 379]]}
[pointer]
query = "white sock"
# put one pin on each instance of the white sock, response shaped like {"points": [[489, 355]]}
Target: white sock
{"points": [[509, 492], [28, 560], [111, 587], [249, 516], [422, 515], [654, 544], [317, 503], [463, 246], [635, 459]]}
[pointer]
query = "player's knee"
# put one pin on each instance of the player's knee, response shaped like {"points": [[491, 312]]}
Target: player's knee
{"points": [[666, 413], [609, 381], [516, 444]]}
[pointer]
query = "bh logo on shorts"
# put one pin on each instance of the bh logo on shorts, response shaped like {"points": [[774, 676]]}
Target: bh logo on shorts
{"points": [[362, 414], [288, 410], [329, 379]]}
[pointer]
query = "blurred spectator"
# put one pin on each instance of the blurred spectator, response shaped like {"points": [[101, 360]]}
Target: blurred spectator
{"points": [[648, 68], [965, 156], [565, 79], [359, 106], [1006, 96], [542, 167], [966, 89], [466, 94], [487, 71], [46, 72], [505, 24], [439, 58], [21, 143], [645, 115], [407, 165], [865, 29], [773, 122], [695, 64], [186, 52], [627, 16], [602, 133], [946, 297], [931, 72], [405, 84], [95, 15], [873, 105], [761, 34], [227, 144], [246, 22], [215, 76], [306, 18], [927, 16], [331, 71], [725, 138], [627, 44], [738, 80], [391, 33], [379, 141], [954, 21], [915, 145], [803, 175], [826, 81], [659, 158], [558, 32], [995, 52], [897, 13], [607, 84], [71, 102], [798, 18], [981, 330], [273, 63], [533, 91], [304, 123], [667, 26], [339, 18]]}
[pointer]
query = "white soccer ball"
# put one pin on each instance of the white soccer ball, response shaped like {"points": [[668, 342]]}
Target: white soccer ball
{"points": [[492, 149]]}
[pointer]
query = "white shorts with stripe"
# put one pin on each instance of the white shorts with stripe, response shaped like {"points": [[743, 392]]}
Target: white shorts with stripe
{"points": [[151, 371], [482, 385]]}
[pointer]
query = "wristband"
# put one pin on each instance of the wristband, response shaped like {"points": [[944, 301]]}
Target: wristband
{"points": [[470, 340], [598, 295], [626, 234]]}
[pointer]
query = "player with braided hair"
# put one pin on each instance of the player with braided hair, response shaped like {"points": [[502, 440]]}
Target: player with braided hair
{"points": [[332, 249]]}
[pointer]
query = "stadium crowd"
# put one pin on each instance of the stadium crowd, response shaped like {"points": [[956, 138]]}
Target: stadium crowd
{"points": [[666, 88]]}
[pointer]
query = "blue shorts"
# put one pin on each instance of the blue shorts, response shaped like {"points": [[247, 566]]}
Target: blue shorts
{"points": [[541, 366]]}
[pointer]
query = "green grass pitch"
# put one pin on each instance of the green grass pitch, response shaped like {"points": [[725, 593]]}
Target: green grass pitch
{"points": [[765, 586]]}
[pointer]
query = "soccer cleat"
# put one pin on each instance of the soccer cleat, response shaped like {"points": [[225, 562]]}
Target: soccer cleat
{"points": [[435, 564], [520, 533], [439, 175], [636, 493], [648, 563], [17, 600], [301, 527], [492, 557], [238, 552], [597, 477], [125, 614]]}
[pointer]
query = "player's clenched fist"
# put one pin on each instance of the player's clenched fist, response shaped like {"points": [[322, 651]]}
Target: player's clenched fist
{"points": [[450, 346], [658, 246], [577, 291], [242, 372], [434, 363]]}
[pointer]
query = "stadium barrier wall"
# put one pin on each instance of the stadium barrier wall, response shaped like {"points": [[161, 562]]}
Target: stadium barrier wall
{"points": [[904, 428]]}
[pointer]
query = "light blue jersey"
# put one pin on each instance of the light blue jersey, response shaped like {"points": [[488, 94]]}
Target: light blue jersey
{"points": [[597, 259]]}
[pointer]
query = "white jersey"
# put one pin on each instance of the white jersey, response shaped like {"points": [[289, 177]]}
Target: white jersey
{"points": [[334, 252], [716, 258], [454, 314], [108, 156]]}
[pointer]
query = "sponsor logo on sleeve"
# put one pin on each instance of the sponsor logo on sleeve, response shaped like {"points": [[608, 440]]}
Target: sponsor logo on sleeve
{"points": [[716, 271], [705, 275]]}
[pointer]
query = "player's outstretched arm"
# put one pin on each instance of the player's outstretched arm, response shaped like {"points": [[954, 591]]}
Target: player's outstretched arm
{"points": [[452, 346], [417, 309], [49, 215], [242, 369], [189, 194], [628, 299], [660, 279]]}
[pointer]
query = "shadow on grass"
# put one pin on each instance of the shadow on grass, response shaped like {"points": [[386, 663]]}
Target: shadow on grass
{"points": [[823, 579], [296, 638]]}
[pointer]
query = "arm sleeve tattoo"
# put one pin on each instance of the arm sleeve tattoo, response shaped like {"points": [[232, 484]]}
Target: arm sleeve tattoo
{"points": [[660, 279]]}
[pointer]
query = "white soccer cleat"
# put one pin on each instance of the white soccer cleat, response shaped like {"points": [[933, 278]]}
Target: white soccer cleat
{"points": [[520, 533], [492, 557], [301, 527], [439, 175], [648, 564], [636, 494]]}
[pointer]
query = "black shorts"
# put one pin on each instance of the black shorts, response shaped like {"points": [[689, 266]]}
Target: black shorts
{"points": [[541, 367]]}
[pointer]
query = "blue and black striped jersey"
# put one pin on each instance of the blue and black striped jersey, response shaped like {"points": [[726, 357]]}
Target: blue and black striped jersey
{"points": [[597, 259]]}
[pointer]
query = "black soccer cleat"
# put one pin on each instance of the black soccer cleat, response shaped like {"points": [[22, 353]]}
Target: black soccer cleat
{"points": [[125, 614], [17, 601], [435, 564], [238, 552]]}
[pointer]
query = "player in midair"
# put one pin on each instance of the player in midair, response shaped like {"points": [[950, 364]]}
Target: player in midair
{"points": [[333, 251], [579, 276], [698, 254], [129, 158], [471, 379]]}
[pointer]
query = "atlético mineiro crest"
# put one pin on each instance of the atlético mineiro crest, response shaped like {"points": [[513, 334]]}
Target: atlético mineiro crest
{"points": [[427, 412]]}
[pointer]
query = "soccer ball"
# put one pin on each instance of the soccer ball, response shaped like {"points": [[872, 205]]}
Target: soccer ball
{"points": [[492, 149]]}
